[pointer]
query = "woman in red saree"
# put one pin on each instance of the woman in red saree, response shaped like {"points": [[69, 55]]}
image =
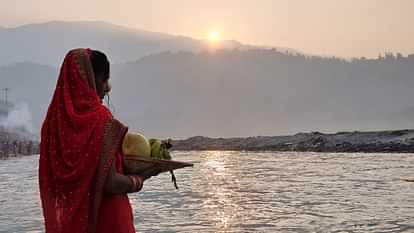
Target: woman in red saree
{"points": [[82, 186]]}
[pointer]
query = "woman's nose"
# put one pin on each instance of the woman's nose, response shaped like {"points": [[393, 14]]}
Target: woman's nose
{"points": [[108, 88]]}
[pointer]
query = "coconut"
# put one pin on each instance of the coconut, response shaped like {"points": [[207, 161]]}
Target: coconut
{"points": [[136, 144]]}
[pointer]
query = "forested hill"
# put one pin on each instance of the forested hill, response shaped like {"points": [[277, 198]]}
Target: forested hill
{"points": [[263, 92], [229, 93]]}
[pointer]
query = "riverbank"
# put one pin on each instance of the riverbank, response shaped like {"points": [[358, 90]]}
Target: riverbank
{"points": [[397, 141], [17, 143]]}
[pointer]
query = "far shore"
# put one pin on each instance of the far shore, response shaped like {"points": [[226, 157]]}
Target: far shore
{"points": [[17, 142], [392, 141]]}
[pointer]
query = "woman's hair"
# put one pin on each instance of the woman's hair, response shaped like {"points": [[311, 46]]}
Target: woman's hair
{"points": [[100, 65]]}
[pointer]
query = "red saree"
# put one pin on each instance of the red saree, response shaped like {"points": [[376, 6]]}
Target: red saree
{"points": [[80, 140]]}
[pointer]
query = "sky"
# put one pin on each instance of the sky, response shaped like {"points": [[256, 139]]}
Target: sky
{"points": [[344, 28]]}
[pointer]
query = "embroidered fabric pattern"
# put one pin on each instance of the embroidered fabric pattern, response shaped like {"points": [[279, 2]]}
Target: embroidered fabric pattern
{"points": [[114, 132]]}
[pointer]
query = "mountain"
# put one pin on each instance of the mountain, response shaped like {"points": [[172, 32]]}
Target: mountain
{"points": [[231, 93], [47, 43], [262, 92]]}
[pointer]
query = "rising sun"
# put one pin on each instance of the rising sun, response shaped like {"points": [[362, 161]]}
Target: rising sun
{"points": [[213, 37]]}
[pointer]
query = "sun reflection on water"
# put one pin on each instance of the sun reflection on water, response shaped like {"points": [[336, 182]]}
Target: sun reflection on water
{"points": [[247, 192], [222, 204]]}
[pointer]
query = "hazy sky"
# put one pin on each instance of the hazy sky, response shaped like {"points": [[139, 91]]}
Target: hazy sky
{"points": [[345, 28]]}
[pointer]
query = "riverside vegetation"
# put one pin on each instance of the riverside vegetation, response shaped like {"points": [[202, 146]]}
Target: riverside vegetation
{"points": [[16, 143]]}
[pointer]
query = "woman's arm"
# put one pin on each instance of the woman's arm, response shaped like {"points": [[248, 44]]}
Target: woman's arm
{"points": [[117, 183]]}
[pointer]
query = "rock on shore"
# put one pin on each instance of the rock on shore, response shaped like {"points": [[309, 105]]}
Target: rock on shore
{"points": [[377, 141]]}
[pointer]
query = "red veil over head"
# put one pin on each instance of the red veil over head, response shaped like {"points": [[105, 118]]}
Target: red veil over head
{"points": [[79, 139]]}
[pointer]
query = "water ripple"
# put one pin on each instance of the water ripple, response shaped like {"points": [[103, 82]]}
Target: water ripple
{"points": [[248, 192]]}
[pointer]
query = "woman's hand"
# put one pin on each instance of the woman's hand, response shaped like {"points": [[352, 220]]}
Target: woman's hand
{"points": [[150, 172], [137, 181]]}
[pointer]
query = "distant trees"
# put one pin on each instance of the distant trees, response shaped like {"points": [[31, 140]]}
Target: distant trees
{"points": [[388, 57], [244, 92], [265, 91]]}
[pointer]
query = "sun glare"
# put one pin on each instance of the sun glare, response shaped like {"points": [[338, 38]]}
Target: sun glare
{"points": [[213, 37]]}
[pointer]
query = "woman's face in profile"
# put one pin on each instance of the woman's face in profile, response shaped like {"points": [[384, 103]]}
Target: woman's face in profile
{"points": [[102, 86], [101, 67]]}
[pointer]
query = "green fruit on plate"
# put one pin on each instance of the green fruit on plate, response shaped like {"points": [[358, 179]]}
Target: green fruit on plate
{"points": [[136, 144], [165, 154], [155, 148]]}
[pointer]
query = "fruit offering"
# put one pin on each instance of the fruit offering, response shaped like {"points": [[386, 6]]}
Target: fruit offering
{"points": [[137, 144]]}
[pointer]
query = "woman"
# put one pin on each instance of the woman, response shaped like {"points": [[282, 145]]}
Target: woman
{"points": [[82, 187]]}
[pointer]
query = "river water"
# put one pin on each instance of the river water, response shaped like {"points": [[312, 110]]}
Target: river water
{"points": [[248, 192]]}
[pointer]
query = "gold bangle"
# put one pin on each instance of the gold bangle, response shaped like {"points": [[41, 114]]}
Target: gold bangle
{"points": [[141, 182], [136, 183], [133, 184]]}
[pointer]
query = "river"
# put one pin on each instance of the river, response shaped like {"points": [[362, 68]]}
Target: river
{"points": [[248, 192]]}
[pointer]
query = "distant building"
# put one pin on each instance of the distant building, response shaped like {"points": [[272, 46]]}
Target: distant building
{"points": [[5, 105], [5, 108]]}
